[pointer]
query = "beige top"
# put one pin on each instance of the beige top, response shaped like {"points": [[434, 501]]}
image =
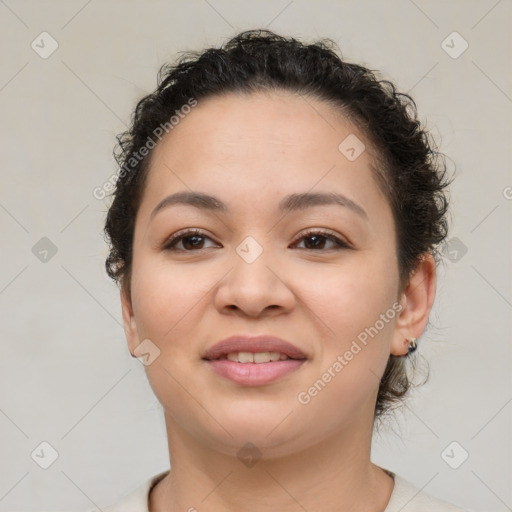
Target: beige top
{"points": [[404, 498]]}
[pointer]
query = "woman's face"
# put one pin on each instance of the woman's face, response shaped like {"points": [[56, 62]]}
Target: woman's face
{"points": [[251, 152]]}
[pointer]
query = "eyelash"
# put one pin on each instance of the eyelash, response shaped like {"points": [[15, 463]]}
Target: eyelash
{"points": [[170, 243]]}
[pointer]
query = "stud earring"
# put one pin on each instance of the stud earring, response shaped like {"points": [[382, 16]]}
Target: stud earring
{"points": [[412, 345]]}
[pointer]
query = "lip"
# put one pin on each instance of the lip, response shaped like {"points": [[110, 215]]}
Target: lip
{"points": [[253, 374], [244, 343]]}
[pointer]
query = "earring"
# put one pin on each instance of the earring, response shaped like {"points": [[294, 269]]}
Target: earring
{"points": [[412, 346]]}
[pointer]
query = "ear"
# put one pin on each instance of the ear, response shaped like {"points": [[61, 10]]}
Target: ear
{"points": [[416, 301], [129, 324]]}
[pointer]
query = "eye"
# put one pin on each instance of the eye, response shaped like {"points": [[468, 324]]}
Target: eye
{"points": [[319, 239], [192, 238]]}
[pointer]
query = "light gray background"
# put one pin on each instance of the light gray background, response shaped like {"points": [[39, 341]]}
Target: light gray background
{"points": [[66, 374]]}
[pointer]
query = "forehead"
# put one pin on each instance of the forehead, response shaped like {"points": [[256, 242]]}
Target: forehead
{"points": [[261, 121], [264, 145]]}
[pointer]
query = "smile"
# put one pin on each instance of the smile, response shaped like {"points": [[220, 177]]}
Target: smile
{"points": [[255, 357], [254, 369]]}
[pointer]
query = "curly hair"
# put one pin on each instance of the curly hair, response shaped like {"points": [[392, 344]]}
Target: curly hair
{"points": [[407, 166]]}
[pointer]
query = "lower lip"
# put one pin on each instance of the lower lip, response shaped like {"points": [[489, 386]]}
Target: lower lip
{"points": [[254, 374]]}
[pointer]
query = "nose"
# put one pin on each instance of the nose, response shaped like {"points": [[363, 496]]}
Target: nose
{"points": [[255, 288]]}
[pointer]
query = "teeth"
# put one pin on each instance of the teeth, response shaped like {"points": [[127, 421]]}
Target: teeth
{"points": [[245, 357], [258, 357], [262, 357]]}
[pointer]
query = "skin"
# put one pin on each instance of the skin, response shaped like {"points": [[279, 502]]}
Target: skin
{"points": [[250, 151]]}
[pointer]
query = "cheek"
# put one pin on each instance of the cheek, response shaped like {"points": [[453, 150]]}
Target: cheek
{"points": [[354, 350], [353, 306], [166, 295], [166, 302], [350, 296]]}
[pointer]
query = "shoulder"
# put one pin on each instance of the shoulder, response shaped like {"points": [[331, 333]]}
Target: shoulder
{"points": [[137, 499], [407, 498], [404, 498]]}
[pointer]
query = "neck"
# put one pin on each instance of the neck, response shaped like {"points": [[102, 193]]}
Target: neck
{"points": [[334, 475]]}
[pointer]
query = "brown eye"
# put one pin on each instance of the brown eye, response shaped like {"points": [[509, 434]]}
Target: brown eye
{"points": [[318, 240], [194, 240], [191, 240]]}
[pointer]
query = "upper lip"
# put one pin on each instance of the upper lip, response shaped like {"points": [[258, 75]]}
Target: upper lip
{"points": [[245, 343]]}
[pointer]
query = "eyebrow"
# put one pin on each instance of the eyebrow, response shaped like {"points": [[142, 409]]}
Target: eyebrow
{"points": [[292, 202]]}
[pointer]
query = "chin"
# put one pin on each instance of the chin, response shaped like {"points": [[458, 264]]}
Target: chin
{"points": [[275, 435], [256, 444]]}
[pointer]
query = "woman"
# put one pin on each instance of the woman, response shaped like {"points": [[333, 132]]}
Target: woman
{"points": [[274, 230]]}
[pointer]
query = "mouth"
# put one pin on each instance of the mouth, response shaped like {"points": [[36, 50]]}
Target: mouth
{"points": [[255, 357], [254, 361]]}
